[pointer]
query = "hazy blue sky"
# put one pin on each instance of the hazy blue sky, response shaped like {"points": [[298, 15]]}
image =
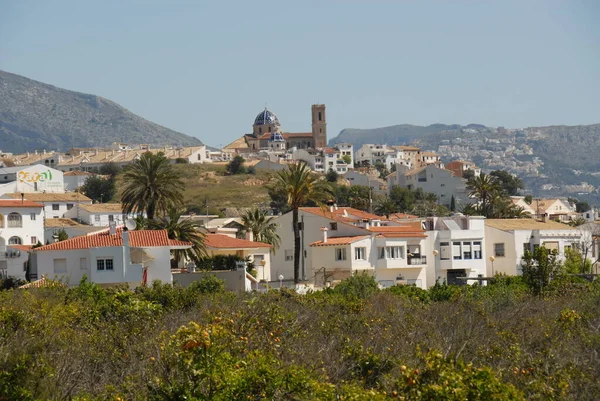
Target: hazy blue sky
{"points": [[206, 68]]}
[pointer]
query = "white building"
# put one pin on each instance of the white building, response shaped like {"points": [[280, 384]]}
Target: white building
{"points": [[458, 248], [132, 257], [366, 180], [338, 242], [508, 239], [75, 179], [21, 223], [433, 179], [99, 214], [14, 261], [56, 205], [372, 154], [258, 253], [27, 179]]}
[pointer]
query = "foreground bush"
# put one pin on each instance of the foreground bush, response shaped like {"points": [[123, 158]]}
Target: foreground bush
{"points": [[354, 342]]}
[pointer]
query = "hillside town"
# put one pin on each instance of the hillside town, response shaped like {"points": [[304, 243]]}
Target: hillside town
{"points": [[41, 198]]}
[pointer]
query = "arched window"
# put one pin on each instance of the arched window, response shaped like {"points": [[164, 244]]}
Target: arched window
{"points": [[1, 221], [15, 220], [15, 241]]}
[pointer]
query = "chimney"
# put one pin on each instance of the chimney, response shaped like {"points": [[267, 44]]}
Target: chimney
{"points": [[249, 236], [331, 208], [324, 229], [22, 198], [112, 227]]}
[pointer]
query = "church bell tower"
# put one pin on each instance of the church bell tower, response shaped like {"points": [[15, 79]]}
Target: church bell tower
{"points": [[319, 125]]}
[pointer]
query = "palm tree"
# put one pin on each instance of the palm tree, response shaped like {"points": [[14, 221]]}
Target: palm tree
{"points": [[151, 186], [262, 227], [386, 206], [301, 186], [485, 188], [182, 230]]}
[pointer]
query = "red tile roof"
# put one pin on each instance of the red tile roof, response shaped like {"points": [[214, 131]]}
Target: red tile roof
{"points": [[18, 203], [413, 230], [43, 282], [24, 248], [137, 239], [220, 241], [339, 241], [351, 214], [401, 216]]}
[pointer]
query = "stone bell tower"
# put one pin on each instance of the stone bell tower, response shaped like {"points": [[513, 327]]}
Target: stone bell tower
{"points": [[319, 125]]}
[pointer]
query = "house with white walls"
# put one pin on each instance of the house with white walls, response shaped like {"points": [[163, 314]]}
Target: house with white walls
{"points": [[56, 205], [258, 253], [376, 184], [75, 179], [70, 226], [338, 242], [99, 214], [433, 179], [21, 223], [457, 249], [111, 256], [508, 239], [30, 179], [14, 261]]}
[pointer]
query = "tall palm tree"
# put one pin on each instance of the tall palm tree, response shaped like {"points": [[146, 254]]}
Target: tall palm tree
{"points": [[183, 230], [301, 186], [151, 186], [262, 227], [386, 206], [485, 189]]}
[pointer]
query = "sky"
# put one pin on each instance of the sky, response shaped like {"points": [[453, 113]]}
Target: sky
{"points": [[207, 68]]}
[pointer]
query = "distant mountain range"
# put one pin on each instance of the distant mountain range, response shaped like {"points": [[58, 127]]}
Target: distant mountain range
{"points": [[35, 115], [553, 160]]}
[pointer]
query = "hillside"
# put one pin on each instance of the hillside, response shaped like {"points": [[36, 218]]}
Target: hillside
{"points": [[35, 115], [553, 161]]}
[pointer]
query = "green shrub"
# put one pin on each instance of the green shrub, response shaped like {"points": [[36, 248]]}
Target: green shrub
{"points": [[208, 284], [360, 285]]}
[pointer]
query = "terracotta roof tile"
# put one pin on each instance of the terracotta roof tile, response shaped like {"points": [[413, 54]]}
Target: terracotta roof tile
{"points": [[52, 197], [220, 241], [24, 248], [350, 215], [98, 239], [102, 208], [62, 222], [19, 203], [525, 224], [339, 241]]}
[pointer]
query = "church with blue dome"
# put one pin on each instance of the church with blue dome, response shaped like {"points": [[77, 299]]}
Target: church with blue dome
{"points": [[268, 135]]}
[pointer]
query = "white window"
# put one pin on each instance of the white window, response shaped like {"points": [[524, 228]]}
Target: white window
{"points": [[15, 241], [32, 216], [15, 220], [456, 251], [360, 253], [60, 266], [33, 240], [340, 254], [477, 250], [104, 264], [55, 206], [499, 250], [394, 252], [83, 263], [289, 255], [466, 251], [97, 218], [381, 252], [444, 250], [111, 217]]}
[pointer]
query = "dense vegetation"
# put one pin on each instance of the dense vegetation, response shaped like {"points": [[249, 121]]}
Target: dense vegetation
{"points": [[354, 342]]}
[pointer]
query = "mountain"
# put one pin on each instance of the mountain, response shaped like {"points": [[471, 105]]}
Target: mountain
{"points": [[393, 135], [553, 161], [35, 115]]}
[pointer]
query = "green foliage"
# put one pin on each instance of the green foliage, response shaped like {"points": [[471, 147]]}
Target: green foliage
{"points": [[110, 169], [386, 206], [99, 189], [332, 175], [181, 160], [151, 186], [262, 227], [509, 183], [219, 262], [347, 159], [575, 263], [236, 166], [359, 285], [207, 285], [356, 196], [9, 283], [182, 229], [492, 194], [62, 235], [539, 268], [449, 380]]}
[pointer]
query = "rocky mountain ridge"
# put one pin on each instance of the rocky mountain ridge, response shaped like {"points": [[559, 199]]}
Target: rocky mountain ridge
{"points": [[35, 115]]}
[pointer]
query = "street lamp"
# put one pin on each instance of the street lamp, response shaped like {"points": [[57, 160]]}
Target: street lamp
{"points": [[492, 260], [263, 262], [280, 281]]}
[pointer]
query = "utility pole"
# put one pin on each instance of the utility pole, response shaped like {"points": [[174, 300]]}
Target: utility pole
{"points": [[303, 252]]}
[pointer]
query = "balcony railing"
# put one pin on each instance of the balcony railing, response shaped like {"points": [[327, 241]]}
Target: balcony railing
{"points": [[421, 260]]}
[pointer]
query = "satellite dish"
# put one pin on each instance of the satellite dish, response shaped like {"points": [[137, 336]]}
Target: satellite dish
{"points": [[130, 224]]}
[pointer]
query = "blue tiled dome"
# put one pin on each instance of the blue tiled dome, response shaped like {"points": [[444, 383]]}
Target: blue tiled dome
{"points": [[266, 117], [277, 137]]}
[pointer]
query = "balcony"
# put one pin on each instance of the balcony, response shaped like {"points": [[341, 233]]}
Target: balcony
{"points": [[417, 260]]}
